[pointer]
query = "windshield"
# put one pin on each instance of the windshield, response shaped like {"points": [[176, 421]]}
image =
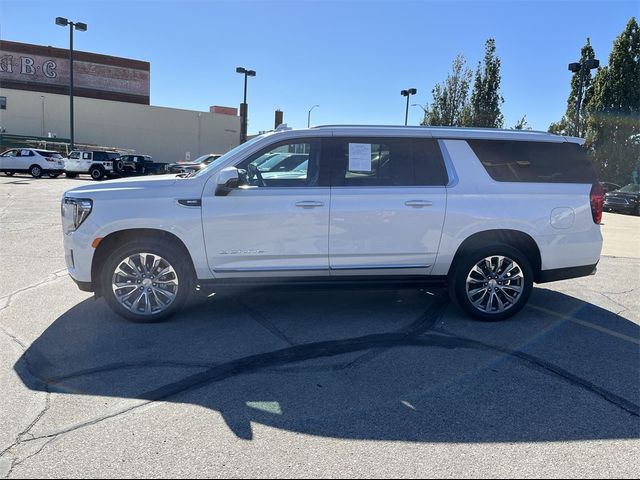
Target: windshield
{"points": [[226, 156], [631, 188]]}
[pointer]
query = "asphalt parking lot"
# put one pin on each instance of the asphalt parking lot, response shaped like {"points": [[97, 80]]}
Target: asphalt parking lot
{"points": [[312, 383]]}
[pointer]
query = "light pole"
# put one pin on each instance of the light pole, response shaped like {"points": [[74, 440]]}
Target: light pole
{"points": [[244, 108], [81, 27], [581, 67], [309, 116], [42, 101], [407, 93]]}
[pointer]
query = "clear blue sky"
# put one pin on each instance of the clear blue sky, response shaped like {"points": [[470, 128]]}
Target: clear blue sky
{"points": [[350, 57]]}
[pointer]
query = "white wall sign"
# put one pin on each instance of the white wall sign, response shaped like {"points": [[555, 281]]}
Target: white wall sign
{"points": [[360, 157]]}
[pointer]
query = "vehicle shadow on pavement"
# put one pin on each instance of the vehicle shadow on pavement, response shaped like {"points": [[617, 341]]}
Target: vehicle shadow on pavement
{"points": [[383, 365]]}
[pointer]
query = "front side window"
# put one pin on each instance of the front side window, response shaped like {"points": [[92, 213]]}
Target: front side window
{"points": [[74, 155], [10, 153], [378, 162], [286, 164]]}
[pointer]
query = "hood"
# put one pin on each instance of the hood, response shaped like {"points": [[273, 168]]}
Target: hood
{"points": [[134, 184]]}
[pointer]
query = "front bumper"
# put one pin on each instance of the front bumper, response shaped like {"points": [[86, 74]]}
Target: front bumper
{"points": [[78, 253]]}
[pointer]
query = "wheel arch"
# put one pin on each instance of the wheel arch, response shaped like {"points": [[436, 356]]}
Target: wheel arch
{"points": [[116, 239], [513, 238]]}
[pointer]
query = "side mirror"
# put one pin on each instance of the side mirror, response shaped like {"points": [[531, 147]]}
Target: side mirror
{"points": [[227, 180]]}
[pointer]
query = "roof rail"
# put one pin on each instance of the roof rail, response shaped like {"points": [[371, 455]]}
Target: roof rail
{"points": [[337, 125]]}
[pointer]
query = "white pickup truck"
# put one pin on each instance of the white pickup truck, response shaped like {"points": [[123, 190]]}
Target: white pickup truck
{"points": [[485, 212]]}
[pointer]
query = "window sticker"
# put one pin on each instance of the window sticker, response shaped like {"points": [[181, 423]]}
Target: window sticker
{"points": [[24, 153], [360, 157]]}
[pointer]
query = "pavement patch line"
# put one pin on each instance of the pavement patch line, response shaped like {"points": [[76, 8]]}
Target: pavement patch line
{"points": [[584, 323]]}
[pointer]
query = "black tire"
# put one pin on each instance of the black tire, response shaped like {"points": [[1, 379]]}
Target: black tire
{"points": [[118, 167], [462, 268], [96, 172], [54, 175], [173, 255], [70, 174], [9, 174], [35, 171]]}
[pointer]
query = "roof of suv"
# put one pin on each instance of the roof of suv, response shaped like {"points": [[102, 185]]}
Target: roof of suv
{"points": [[451, 132]]}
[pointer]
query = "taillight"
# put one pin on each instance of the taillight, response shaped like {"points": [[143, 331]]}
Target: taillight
{"points": [[49, 159], [597, 199]]}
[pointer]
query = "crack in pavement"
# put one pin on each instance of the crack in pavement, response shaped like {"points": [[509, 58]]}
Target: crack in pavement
{"points": [[264, 322], [7, 299]]}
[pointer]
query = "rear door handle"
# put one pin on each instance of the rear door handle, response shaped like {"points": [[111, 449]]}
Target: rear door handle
{"points": [[309, 204], [418, 203]]}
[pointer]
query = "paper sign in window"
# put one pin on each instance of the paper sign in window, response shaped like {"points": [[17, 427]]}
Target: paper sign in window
{"points": [[24, 153], [359, 157]]}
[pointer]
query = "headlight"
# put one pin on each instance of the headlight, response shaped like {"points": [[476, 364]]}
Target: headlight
{"points": [[74, 212]]}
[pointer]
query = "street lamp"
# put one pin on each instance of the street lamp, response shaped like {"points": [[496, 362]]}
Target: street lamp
{"points": [[423, 109], [244, 107], [81, 27], [581, 67], [407, 93], [309, 116]]}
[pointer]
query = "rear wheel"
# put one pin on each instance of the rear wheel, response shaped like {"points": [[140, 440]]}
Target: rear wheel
{"points": [[492, 283], [96, 172], [146, 281], [35, 171]]}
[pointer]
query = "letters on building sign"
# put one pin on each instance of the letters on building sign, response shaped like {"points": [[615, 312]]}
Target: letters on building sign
{"points": [[28, 66]]}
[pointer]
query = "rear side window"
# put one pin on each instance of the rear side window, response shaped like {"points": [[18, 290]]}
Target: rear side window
{"points": [[387, 161], [47, 153], [536, 162]]}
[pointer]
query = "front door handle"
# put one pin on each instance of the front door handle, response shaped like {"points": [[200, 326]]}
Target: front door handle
{"points": [[418, 203], [309, 204]]}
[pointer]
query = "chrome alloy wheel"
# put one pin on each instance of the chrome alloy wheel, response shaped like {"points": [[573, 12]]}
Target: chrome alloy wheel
{"points": [[495, 284], [145, 283]]}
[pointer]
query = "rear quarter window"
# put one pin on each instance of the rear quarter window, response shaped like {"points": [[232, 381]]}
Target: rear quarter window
{"points": [[536, 162]]}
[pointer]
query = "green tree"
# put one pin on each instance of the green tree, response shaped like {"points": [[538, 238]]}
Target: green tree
{"points": [[567, 124], [614, 109], [522, 124], [484, 109], [450, 97]]}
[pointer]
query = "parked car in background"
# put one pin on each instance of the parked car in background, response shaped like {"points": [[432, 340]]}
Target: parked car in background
{"points": [[188, 167], [34, 161], [96, 163], [609, 187], [141, 165], [486, 212], [625, 199]]}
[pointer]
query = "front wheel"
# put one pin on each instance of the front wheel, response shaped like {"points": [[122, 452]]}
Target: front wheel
{"points": [[492, 283], [146, 281]]}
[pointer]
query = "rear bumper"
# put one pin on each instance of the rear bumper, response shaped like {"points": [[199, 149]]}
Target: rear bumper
{"points": [[566, 273]]}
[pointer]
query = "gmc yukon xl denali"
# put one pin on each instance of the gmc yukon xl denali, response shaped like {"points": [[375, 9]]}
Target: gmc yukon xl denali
{"points": [[485, 212]]}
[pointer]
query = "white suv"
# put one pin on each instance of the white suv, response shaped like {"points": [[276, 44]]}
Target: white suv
{"points": [[486, 212], [33, 161], [96, 163]]}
